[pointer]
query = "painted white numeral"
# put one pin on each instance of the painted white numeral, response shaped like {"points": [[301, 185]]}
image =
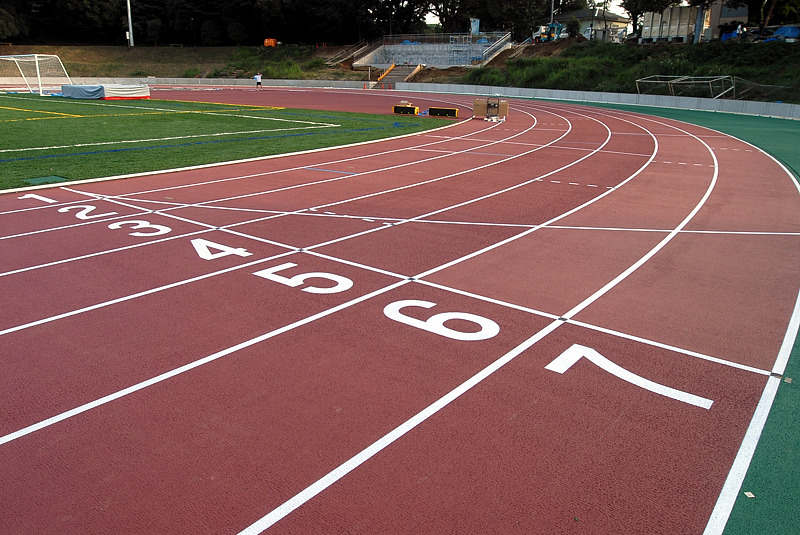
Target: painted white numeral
{"points": [[138, 224], [436, 323], [37, 197], [84, 211], [342, 283], [204, 247], [572, 355]]}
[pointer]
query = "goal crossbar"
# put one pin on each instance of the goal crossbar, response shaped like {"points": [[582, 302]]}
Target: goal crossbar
{"points": [[34, 72]]}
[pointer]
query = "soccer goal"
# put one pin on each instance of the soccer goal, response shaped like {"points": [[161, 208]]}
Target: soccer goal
{"points": [[36, 73]]}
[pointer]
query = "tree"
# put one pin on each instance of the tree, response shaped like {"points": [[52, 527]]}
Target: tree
{"points": [[154, 27], [636, 8], [236, 32], [516, 16], [12, 24], [453, 14], [210, 34], [398, 16]]}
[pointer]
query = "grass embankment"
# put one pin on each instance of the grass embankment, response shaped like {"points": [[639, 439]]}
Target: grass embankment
{"points": [[587, 66], [594, 66], [286, 62]]}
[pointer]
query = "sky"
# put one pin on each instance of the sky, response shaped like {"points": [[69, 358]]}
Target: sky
{"points": [[613, 8]]}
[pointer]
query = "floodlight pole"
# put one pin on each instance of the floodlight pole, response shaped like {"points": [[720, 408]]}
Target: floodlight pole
{"points": [[552, 9], [130, 25]]}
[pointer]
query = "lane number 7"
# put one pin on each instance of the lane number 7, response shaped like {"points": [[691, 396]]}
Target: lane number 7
{"points": [[576, 352]]}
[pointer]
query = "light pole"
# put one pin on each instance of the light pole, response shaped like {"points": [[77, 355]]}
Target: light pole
{"points": [[130, 25]]}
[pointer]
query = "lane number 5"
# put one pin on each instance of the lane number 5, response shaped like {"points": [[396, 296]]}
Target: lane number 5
{"points": [[341, 284]]}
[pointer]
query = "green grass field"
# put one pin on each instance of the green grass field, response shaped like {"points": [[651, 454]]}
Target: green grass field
{"points": [[51, 139]]}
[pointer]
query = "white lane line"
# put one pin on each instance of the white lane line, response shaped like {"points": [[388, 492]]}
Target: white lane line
{"points": [[170, 138], [376, 447], [100, 253], [192, 365], [153, 290], [139, 294], [318, 486], [593, 327], [265, 158], [741, 464], [725, 502]]}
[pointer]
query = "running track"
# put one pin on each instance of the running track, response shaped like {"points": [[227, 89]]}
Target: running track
{"points": [[563, 323]]}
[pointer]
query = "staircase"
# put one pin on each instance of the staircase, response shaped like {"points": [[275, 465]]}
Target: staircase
{"points": [[398, 74]]}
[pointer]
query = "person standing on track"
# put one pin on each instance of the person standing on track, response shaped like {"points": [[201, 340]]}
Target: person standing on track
{"points": [[257, 78]]}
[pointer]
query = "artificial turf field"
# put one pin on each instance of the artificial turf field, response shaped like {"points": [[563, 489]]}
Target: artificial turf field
{"points": [[48, 140]]}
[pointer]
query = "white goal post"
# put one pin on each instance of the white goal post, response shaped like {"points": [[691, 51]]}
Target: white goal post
{"points": [[33, 72]]}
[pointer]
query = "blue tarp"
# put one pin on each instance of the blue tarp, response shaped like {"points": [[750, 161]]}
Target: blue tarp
{"points": [[726, 36], [106, 91], [788, 31]]}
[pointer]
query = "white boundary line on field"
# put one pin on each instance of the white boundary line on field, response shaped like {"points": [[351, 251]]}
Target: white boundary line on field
{"points": [[741, 464]]}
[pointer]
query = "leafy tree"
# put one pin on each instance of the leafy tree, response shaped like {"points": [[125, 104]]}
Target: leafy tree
{"points": [[637, 8], [573, 27], [12, 23], [517, 16], [236, 32], [210, 33], [398, 16], [453, 14], [154, 27]]}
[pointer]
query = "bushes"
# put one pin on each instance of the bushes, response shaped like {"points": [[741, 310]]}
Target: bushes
{"points": [[486, 76], [595, 66]]}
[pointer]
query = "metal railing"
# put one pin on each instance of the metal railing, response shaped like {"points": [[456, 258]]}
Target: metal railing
{"points": [[443, 38], [493, 50]]}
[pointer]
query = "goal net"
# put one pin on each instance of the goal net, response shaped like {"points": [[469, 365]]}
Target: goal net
{"points": [[37, 73], [729, 87]]}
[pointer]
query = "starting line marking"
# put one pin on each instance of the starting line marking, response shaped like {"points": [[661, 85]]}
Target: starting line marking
{"points": [[571, 356], [315, 488]]}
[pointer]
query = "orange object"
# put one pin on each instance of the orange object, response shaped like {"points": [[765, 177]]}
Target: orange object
{"points": [[271, 42]]}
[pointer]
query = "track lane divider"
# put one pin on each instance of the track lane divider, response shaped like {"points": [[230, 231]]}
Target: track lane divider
{"points": [[192, 365]]}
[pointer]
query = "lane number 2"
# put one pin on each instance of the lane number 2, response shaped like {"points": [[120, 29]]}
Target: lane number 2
{"points": [[84, 210]]}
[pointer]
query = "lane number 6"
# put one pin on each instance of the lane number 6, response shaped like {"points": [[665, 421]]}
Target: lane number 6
{"points": [[436, 323]]}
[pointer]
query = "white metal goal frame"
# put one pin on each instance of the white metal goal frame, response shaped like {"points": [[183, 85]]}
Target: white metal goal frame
{"points": [[716, 87], [36, 72]]}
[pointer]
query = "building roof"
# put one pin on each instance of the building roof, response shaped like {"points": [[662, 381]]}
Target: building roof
{"points": [[589, 14]]}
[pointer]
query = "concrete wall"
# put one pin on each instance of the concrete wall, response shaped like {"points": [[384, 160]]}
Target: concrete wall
{"points": [[768, 109], [433, 55], [220, 82]]}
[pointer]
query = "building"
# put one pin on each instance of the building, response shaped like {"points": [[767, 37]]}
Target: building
{"points": [[598, 24], [690, 24]]}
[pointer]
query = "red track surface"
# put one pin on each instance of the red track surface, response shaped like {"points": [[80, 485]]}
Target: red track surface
{"points": [[148, 390]]}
